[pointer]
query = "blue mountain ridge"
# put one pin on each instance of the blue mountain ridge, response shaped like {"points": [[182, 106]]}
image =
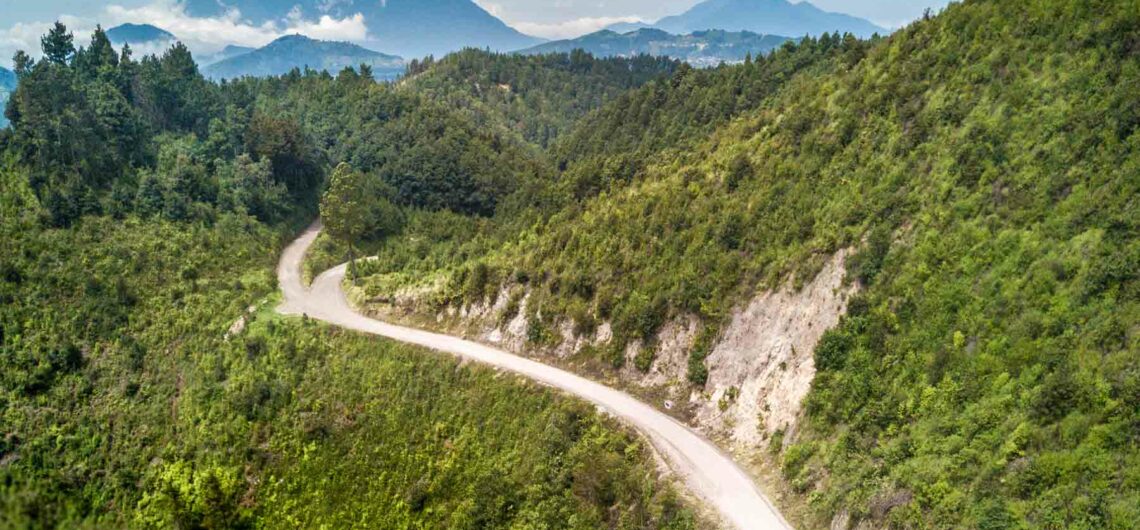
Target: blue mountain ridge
{"points": [[410, 28]]}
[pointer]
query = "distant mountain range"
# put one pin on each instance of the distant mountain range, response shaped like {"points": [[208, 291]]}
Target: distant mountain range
{"points": [[298, 51], [7, 86], [711, 32], [701, 48], [136, 34], [411, 28], [766, 17], [228, 52]]}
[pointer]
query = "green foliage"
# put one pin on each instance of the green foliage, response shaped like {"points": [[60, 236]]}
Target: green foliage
{"points": [[639, 316], [248, 187], [698, 373], [125, 402], [545, 232], [537, 97], [186, 496], [402, 436], [356, 207], [675, 114], [105, 134], [645, 357], [143, 208], [868, 262], [98, 330], [980, 164]]}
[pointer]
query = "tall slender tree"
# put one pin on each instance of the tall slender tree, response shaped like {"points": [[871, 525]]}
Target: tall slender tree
{"points": [[355, 207], [58, 45]]}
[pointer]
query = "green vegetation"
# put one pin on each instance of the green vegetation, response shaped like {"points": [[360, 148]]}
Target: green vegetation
{"points": [[146, 380], [357, 207], [537, 97], [982, 163], [559, 236], [126, 404], [104, 134]]}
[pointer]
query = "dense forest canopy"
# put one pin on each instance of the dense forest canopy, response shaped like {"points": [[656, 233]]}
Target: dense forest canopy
{"points": [[979, 166], [143, 208]]}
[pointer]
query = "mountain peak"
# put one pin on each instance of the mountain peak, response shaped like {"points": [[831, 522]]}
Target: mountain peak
{"points": [[406, 27], [138, 33], [299, 51], [702, 48], [293, 38], [766, 17]]}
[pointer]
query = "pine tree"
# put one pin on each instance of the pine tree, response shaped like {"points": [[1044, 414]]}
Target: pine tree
{"points": [[58, 45]]}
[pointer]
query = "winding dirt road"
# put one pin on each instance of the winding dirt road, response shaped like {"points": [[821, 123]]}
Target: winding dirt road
{"points": [[707, 471]]}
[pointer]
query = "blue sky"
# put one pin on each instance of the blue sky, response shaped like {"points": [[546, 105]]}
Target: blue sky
{"points": [[561, 18], [23, 21]]}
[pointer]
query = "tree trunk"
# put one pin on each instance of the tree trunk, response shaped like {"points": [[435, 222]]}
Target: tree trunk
{"points": [[352, 263]]}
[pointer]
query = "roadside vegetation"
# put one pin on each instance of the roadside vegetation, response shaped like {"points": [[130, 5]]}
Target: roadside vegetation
{"points": [[146, 381], [981, 163], [982, 166]]}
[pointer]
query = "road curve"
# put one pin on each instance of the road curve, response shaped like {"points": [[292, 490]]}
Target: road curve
{"points": [[708, 472]]}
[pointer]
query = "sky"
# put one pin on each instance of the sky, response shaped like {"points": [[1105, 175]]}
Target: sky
{"points": [[570, 18], [23, 21]]}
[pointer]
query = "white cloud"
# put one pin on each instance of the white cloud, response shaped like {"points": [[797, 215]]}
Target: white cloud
{"points": [[493, 8], [202, 35], [564, 29], [214, 33], [328, 28], [570, 28], [26, 36]]}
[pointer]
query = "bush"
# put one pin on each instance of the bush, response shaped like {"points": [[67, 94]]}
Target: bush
{"points": [[833, 349], [645, 357]]}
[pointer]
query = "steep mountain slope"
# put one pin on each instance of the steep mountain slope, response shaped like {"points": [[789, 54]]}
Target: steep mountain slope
{"points": [[139, 34], [768, 17], [536, 97], [410, 28], [975, 177], [677, 114], [452, 136], [144, 380], [701, 48], [134, 401], [298, 51]]}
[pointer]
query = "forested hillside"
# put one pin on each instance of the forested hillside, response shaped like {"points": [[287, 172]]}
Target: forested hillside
{"points": [[980, 164], [146, 381], [974, 175], [538, 97], [298, 51]]}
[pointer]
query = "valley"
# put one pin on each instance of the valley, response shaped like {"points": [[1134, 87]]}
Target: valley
{"points": [[703, 468], [791, 270]]}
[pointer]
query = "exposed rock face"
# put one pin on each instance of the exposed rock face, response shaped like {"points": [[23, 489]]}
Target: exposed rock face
{"points": [[759, 371], [671, 359], [763, 366]]}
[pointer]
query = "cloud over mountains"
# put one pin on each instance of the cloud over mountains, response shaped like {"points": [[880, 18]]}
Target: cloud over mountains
{"points": [[204, 35]]}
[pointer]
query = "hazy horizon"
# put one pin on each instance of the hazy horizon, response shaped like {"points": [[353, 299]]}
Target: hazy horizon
{"points": [[24, 21]]}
